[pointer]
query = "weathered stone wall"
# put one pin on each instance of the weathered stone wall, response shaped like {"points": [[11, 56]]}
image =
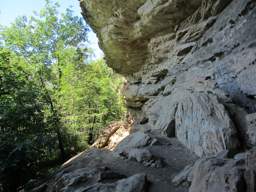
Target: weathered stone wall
{"points": [[190, 67]]}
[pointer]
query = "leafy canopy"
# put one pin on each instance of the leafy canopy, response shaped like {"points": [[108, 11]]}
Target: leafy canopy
{"points": [[53, 100]]}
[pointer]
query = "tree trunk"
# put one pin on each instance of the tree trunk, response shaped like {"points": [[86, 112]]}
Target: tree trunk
{"points": [[61, 145], [56, 121], [91, 135], [90, 131]]}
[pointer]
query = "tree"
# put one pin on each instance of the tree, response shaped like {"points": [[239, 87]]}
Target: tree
{"points": [[53, 100], [42, 41], [21, 121], [95, 98]]}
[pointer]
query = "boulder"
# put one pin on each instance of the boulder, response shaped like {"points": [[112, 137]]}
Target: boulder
{"points": [[197, 119], [203, 125], [219, 173], [140, 155], [211, 175], [134, 140]]}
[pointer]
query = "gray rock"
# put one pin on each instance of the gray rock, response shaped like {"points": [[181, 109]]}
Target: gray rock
{"points": [[198, 120], [249, 175], [211, 175], [118, 22], [135, 147], [247, 81], [251, 129], [204, 126], [184, 177], [240, 157], [136, 183], [135, 140], [223, 154], [220, 174], [140, 155]]}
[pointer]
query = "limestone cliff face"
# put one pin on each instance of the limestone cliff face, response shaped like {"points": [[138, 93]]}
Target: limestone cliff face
{"points": [[190, 66], [191, 72]]}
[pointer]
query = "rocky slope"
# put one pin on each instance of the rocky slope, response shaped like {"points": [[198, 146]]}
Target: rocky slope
{"points": [[190, 67]]}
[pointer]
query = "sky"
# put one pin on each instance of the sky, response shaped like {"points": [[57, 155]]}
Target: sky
{"points": [[10, 9]]}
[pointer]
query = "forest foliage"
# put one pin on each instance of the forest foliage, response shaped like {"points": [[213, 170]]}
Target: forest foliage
{"points": [[53, 98]]}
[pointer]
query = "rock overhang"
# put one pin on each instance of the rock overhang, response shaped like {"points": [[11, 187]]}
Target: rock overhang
{"points": [[171, 50], [125, 28]]}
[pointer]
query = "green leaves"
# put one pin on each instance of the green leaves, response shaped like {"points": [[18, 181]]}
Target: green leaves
{"points": [[53, 102], [90, 97]]}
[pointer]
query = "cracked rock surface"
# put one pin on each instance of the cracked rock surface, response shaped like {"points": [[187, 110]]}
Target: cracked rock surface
{"points": [[100, 170], [189, 66]]}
